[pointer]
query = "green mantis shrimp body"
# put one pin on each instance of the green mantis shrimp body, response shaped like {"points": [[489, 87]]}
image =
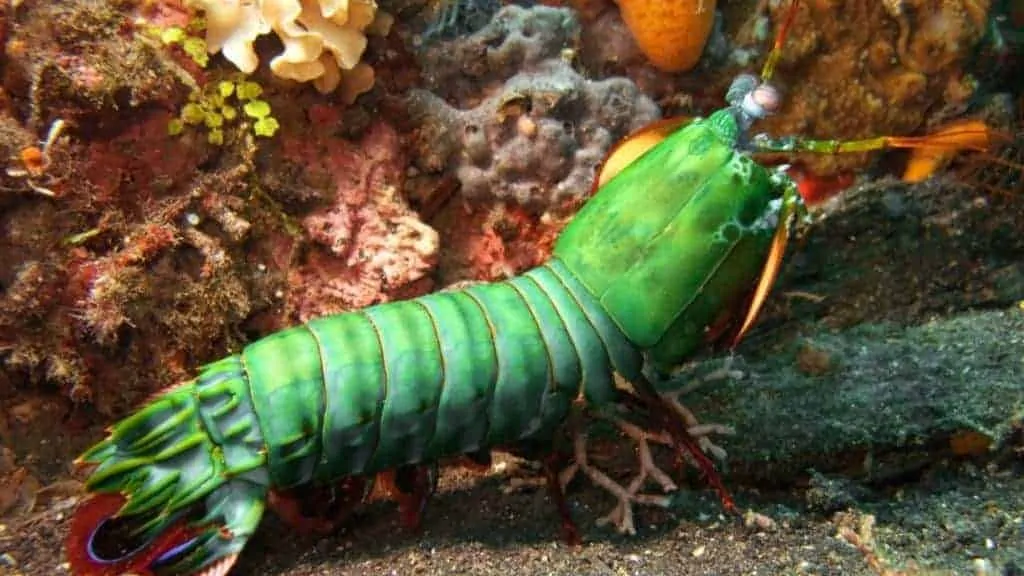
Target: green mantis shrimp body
{"points": [[637, 279]]}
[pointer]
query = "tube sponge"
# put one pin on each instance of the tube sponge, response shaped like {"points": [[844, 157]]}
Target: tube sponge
{"points": [[323, 40]]}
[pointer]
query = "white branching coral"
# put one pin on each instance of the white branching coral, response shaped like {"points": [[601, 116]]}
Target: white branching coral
{"points": [[323, 40]]}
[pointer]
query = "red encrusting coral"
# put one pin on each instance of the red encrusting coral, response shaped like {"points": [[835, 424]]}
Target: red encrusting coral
{"points": [[493, 243]]}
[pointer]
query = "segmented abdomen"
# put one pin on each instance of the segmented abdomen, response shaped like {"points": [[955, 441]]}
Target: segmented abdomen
{"points": [[446, 373]]}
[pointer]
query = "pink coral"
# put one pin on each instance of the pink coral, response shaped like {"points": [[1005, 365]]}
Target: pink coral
{"points": [[370, 246]]}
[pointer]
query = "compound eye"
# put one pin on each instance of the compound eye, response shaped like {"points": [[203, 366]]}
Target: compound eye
{"points": [[767, 98]]}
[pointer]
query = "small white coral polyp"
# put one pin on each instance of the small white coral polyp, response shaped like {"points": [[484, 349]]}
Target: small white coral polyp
{"points": [[323, 40]]}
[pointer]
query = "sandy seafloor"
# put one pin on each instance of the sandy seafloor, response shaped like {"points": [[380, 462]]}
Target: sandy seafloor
{"points": [[966, 521]]}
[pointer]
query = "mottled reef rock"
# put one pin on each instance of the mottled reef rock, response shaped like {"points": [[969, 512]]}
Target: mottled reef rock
{"points": [[526, 128]]}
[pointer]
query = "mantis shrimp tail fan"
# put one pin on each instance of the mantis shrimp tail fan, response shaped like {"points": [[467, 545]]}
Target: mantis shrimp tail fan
{"points": [[179, 487]]}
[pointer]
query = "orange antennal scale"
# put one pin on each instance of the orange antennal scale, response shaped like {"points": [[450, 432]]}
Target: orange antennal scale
{"points": [[764, 284], [636, 145], [931, 152], [772, 265], [966, 134]]}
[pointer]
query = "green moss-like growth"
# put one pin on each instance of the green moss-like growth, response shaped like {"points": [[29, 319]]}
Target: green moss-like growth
{"points": [[224, 105], [189, 39], [196, 49], [220, 105], [263, 123], [265, 127]]}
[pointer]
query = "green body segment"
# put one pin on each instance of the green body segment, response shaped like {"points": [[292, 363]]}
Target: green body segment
{"points": [[447, 373], [462, 332], [353, 379], [675, 239], [413, 380], [285, 376], [370, 390]]}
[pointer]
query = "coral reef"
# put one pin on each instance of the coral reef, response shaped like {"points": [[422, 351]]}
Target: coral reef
{"points": [[108, 218], [130, 255], [370, 247], [468, 68], [492, 243], [323, 42], [454, 18], [539, 141]]}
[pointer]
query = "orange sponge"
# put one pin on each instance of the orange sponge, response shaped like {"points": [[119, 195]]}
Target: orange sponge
{"points": [[671, 33]]}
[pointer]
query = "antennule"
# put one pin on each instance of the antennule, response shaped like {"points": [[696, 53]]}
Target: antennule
{"points": [[780, 40]]}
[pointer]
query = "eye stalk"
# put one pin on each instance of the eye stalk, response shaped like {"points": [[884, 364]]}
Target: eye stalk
{"points": [[752, 99], [762, 101]]}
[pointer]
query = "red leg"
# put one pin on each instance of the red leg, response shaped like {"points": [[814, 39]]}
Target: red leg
{"points": [[552, 465], [319, 510], [411, 486]]}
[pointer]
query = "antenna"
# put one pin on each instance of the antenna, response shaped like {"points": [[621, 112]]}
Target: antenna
{"points": [[780, 40]]}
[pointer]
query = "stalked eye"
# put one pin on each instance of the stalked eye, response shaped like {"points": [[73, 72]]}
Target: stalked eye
{"points": [[768, 98], [762, 101]]}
